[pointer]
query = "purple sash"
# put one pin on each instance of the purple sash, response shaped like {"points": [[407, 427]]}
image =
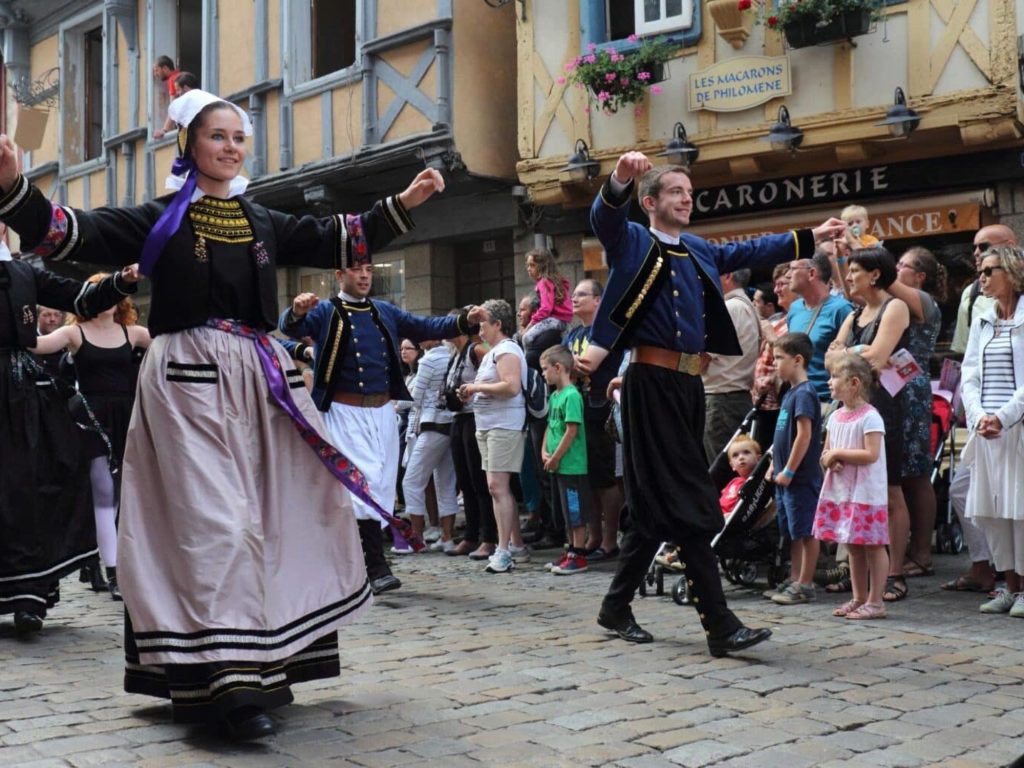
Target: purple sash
{"points": [[170, 219], [339, 466]]}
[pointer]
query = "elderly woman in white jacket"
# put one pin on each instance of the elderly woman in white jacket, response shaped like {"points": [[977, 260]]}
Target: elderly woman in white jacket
{"points": [[993, 393]]}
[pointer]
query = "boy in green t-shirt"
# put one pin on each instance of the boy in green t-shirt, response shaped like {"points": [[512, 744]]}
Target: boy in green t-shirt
{"points": [[565, 455]]}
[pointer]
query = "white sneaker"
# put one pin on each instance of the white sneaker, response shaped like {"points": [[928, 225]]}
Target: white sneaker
{"points": [[500, 562], [1001, 603], [1017, 611], [406, 550], [519, 554], [431, 534], [442, 546]]}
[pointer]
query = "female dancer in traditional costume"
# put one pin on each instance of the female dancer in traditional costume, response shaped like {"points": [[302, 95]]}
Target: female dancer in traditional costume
{"points": [[238, 556]]}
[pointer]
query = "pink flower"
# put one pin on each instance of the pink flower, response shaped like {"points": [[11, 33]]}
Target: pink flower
{"points": [[644, 76], [610, 77], [560, 80], [632, 38], [590, 59], [591, 46], [617, 57], [655, 89], [603, 96], [570, 66], [624, 81], [638, 111]]}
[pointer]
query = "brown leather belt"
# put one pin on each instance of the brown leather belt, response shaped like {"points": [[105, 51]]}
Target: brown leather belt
{"points": [[682, 362], [362, 401]]}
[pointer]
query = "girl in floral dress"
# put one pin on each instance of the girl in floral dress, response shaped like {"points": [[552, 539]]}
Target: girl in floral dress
{"points": [[852, 508]]}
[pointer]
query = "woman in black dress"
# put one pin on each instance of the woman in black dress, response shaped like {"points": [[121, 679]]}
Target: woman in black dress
{"points": [[103, 351]]}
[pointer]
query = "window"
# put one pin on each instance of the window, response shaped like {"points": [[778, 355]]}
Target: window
{"points": [[321, 39], [334, 35], [612, 22], [176, 31], [81, 91], [93, 138], [190, 37], [652, 16]]}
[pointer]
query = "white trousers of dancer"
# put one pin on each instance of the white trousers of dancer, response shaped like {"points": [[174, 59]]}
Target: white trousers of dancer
{"points": [[431, 455], [369, 438]]}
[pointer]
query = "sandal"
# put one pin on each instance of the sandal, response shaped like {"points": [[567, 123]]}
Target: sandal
{"points": [[966, 584], [913, 569], [847, 608], [843, 585], [867, 611], [895, 586]]}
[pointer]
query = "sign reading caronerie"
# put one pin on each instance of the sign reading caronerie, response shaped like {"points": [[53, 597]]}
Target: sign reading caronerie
{"points": [[740, 83], [894, 225]]}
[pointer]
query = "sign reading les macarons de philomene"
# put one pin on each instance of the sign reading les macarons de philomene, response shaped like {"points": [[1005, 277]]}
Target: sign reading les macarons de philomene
{"points": [[740, 83]]}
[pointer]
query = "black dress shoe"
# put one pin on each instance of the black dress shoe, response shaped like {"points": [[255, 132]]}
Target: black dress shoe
{"points": [[26, 623], [115, 591], [93, 574], [385, 584], [249, 723], [625, 627], [744, 637]]}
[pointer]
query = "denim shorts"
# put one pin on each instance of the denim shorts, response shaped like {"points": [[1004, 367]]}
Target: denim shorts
{"points": [[794, 508]]}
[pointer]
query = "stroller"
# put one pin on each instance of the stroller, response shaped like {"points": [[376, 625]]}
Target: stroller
{"points": [[749, 538], [946, 407]]}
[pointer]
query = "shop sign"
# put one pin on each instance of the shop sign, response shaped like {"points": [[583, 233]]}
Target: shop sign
{"points": [[892, 225], [740, 83]]}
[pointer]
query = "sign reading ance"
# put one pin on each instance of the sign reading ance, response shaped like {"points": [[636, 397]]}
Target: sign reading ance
{"points": [[740, 83]]}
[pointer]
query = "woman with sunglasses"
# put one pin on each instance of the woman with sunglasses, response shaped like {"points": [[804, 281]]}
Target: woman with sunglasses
{"points": [[993, 394], [920, 283]]}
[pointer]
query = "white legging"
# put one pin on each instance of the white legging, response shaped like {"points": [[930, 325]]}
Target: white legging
{"points": [[104, 510]]}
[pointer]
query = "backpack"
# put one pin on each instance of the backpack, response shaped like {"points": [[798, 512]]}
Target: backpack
{"points": [[536, 394]]}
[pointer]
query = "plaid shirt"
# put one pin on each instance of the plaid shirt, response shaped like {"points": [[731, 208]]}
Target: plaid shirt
{"points": [[765, 379]]}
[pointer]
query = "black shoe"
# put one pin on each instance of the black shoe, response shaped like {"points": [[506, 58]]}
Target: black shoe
{"points": [[115, 593], [26, 623], [384, 584], [248, 723], [95, 577], [744, 637], [625, 627]]}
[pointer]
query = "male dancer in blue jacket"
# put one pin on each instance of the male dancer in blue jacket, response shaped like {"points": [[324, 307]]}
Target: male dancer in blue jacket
{"points": [[664, 302], [357, 374]]}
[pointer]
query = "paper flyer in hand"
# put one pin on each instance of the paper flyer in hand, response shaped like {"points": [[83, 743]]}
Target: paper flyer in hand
{"points": [[901, 368]]}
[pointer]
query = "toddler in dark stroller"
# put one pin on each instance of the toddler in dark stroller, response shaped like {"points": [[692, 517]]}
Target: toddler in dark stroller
{"points": [[749, 539]]}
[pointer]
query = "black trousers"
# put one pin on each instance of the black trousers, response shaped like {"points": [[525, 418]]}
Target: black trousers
{"points": [[372, 538], [668, 492], [478, 505], [550, 517]]}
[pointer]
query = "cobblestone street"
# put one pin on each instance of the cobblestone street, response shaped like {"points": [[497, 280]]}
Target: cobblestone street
{"points": [[460, 668]]}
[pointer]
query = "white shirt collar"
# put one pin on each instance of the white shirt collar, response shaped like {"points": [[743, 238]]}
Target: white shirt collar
{"points": [[5, 252], [351, 299], [665, 238], [237, 186]]}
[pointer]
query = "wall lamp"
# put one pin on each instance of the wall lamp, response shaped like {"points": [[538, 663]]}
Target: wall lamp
{"points": [[679, 150], [900, 118], [580, 166], [784, 137]]}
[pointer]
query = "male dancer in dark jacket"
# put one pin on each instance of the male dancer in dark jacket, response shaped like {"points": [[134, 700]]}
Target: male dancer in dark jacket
{"points": [[664, 301]]}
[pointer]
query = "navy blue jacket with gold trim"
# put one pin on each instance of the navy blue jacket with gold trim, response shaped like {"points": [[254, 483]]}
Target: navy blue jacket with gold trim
{"points": [[669, 296], [181, 281], [330, 323]]}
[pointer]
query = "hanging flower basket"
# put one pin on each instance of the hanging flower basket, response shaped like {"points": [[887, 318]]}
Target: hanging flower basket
{"points": [[616, 79], [805, 31]]}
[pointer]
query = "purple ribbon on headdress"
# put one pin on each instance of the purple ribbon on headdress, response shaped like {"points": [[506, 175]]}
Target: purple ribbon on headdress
{"points": [[170, 219], [335, 461]]}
